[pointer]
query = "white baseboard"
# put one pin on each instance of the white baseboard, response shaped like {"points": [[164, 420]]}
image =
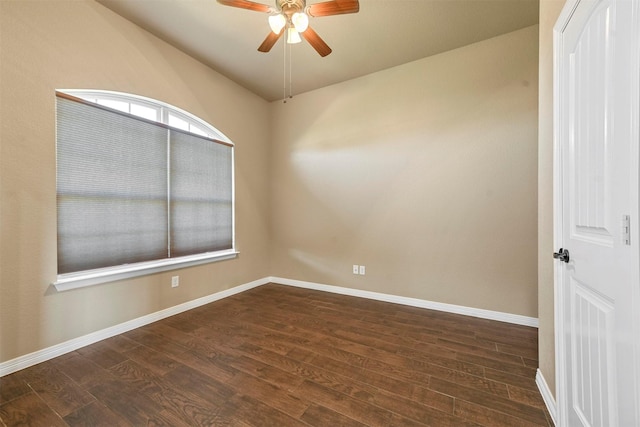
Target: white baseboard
{"points": [[547, 396], [43, 355], [414, 302]]}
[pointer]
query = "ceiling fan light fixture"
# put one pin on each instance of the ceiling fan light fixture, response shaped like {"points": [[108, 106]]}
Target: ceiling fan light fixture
{"points": [[292, 36], [300, 21], [293, 16], [277, 22]]}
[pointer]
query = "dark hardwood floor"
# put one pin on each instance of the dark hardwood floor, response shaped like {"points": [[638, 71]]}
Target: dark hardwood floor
{"points": [[283, 356]]}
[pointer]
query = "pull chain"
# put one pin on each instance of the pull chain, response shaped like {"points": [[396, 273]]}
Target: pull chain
{"points": [[284, 70], [290, 73]]}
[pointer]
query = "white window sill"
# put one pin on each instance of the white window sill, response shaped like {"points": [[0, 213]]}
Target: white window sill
{"points": [[65, 282]]}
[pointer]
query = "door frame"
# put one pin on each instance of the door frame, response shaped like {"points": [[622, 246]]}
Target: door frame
{"points": [[562, 403]]}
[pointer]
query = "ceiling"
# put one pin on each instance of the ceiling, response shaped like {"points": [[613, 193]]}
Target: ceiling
{"points": [[383, 34]]}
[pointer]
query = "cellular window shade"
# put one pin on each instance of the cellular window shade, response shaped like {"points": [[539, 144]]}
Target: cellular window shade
{"points": [[111, 188], [201, 195], [130, 190]]}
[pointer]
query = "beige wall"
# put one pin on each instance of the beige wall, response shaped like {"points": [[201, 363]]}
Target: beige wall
{"points": [[425, 173], [549, 12], [46, 45]]}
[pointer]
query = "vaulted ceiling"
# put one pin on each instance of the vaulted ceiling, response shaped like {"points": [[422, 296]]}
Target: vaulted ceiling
{"points": [[383, 34]]}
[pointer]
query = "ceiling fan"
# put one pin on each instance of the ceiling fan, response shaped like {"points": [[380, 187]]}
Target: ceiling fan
{"points": [[292, 17]]}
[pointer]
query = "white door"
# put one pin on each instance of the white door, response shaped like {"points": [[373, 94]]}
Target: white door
{"points": [[596, 182]]}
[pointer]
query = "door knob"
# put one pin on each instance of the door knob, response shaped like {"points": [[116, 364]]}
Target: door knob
{"points": [[562, 255]]}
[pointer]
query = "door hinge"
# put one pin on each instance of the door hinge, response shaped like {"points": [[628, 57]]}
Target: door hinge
{"points": [[626, 229]]}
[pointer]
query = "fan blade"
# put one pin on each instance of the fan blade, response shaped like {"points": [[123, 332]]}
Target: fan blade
{"points": [[314, 40], [335, 7], [246, 4], [271, 39]]}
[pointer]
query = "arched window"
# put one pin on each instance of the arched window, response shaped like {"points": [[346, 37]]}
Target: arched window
{"points": [[142, 187], [149, 109]]}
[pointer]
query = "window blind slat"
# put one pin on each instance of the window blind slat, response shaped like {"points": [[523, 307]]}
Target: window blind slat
{"points": [[112, 189], [201, 195]]}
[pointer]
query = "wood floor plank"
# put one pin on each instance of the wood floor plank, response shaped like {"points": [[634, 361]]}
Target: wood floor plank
{"points": [[173, 406], [319, 375], [155, 342], [507, 406], [282, 356], [180, 404], [514, 335], [181, 323], [265, 372], [375, 379], [491, 418], [127, 402], [528, 397], [403, 368], [257, 414], [432, 347], [137, 376], [433, 399], [60, 393], [82, 370], [269, 394], [102, 355], [29, 410], [530, 352], [196, 382], [319, 416], [489, 354], [171, 334], [510, 368], [355, 409], [196, 400], [527, 382], [13, 386], [156, 361], [120, 343], [450, 363], [424, 414], [95, 414], [209, 365]]}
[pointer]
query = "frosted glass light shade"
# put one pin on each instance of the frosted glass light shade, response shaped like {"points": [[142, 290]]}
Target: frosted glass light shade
{"points": [[277, 22], [292, 36], [300, 21]]}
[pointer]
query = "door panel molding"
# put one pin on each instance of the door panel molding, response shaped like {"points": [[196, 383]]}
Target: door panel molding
{"points": [[592, 346]]}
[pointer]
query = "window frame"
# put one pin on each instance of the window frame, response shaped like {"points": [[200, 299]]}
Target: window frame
{"points": [[68, 281]]}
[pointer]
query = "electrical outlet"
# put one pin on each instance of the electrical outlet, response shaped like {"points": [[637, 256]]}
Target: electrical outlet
{"points": [[355, 269], [362, 270], [175, 281]]}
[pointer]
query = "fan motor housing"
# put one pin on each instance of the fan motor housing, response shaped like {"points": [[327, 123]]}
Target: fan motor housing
{"points": [[291, 6]]}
